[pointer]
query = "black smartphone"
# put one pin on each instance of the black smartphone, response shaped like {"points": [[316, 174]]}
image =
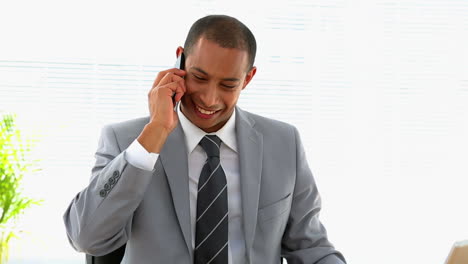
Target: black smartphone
{"points": [[180, 64]]}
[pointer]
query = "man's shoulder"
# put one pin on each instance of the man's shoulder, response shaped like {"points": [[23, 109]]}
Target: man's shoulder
{"points": [[263, 122], [126, 130], [270, 128], [135, 123]]}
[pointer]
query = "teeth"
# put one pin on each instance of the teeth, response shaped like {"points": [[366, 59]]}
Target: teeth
{"points": [[203, 111]]}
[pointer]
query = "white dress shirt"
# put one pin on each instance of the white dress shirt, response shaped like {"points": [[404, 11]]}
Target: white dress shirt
{"points": [[139, 157]]}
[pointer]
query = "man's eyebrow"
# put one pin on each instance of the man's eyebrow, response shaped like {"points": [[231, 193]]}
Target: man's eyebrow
{"points": [[231, 79], [200, 70], [224, 79]]}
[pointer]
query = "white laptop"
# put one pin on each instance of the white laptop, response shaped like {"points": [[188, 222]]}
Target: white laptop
{"points": [[459, 253]]}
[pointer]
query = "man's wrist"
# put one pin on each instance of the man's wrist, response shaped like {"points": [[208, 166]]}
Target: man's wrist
{"points": [[153, 137]]}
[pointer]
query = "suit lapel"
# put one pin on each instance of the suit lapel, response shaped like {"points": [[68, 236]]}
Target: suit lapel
{"points": [[250, 144], [174, 159]]}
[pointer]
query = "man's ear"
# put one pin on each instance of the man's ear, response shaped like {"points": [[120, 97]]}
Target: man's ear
{"points": [[249, 76], [179, 51]]}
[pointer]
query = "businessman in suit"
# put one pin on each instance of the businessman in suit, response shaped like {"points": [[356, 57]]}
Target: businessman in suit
{"points": [[206, 182]]}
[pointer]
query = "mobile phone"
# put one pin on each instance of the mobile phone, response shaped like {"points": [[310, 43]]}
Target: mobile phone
{"points": [[180, 64]]}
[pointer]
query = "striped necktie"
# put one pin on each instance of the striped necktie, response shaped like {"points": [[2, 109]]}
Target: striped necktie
{"points": [[211, 236]]}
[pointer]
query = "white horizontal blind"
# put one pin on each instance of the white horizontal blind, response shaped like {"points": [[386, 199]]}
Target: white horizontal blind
{"points": [[378, 90]]}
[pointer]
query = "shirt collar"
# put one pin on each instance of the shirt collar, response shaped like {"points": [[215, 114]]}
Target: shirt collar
{"points": [[194, 134]]}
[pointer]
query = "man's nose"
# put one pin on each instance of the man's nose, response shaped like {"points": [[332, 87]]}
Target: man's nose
{"points": [[209, 96]]}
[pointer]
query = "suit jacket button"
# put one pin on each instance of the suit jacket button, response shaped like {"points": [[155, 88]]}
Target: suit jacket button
{"points": [[115, 175], [111, 181], [106, 187], [103, 193]]}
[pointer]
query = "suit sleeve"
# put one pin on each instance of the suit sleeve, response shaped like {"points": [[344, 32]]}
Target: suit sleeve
{"points": [[305, 238], [99, 218]]}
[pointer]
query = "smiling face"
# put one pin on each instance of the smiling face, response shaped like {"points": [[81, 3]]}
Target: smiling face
{"points": [[214, 80]]}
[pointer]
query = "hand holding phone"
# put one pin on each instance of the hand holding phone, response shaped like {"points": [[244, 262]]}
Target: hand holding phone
{"points": [[168, 88]]}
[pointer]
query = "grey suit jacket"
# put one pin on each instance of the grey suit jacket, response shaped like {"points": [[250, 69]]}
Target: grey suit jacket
{"points": [[149, 210]]}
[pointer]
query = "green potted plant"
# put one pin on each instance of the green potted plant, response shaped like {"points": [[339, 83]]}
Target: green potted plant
{"points": [[15, 162]]}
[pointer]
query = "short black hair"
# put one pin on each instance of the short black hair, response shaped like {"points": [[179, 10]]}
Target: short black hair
{"points": [[226, 31]]}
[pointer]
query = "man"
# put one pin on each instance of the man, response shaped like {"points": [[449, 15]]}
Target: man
{"points": [[207, 182]]}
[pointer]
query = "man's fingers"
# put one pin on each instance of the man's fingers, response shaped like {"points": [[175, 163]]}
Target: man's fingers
{"points": [[169, 90], [171, 81], [169, 86], [170, 78], [178, 96], [162, 74], [182, 84], [180, 91]]}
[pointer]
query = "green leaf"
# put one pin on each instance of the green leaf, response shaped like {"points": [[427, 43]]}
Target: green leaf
{"points": [[14, 165]]}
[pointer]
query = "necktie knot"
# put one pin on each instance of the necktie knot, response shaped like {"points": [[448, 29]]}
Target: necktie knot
{"points": [[211, 145]]}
